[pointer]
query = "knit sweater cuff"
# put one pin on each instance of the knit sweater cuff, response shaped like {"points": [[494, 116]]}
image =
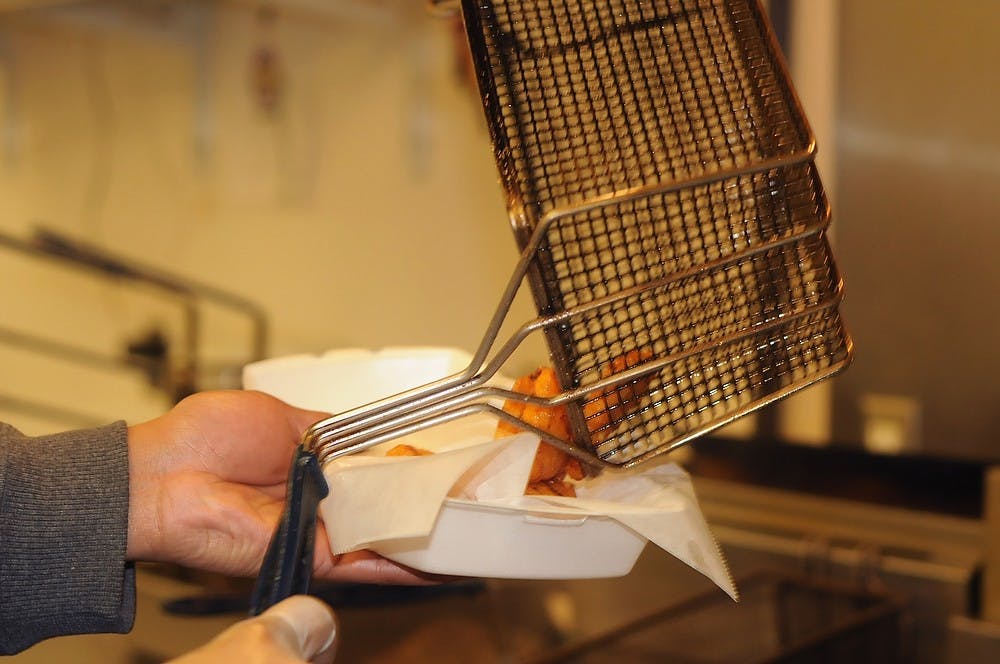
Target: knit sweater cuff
{"points": [[63, 529]]}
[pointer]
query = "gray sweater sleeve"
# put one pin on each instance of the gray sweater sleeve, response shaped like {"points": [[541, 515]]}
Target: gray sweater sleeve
{"points": [[63, 528]]}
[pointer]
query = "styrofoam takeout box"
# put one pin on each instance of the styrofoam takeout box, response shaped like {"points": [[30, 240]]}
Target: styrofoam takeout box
{"points": [[469, 538]]}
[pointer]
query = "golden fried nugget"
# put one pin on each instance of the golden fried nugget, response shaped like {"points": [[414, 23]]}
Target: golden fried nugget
{"points": [[408, 450], [522, 385], [550, 488], [605, 409], [549, 462], [574, 469]]}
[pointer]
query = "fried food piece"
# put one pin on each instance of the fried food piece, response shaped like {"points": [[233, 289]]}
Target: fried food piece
{"points": [[523, 385], [552, 487], [543, 382], [408, 450], [574, 469], [549, 462], [605, 409], [552, 420]]}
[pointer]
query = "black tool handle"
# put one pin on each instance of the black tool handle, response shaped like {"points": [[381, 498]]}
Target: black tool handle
{"points": [[287, 566]]}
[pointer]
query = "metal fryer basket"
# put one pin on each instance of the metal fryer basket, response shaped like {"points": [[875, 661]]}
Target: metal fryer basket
{"points": [[661, 186], [660, 170]]}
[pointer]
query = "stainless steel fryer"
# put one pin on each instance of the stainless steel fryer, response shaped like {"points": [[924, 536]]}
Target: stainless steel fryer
{"points": [[661, 185]]}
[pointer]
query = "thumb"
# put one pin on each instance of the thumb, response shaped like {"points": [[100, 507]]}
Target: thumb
{"points": [[304, 625]]}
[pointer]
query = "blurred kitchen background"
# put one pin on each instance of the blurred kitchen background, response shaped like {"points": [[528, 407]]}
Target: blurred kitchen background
{"points": [[186, 186]]}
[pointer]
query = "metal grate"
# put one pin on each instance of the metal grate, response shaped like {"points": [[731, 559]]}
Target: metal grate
{"points": [[659, 167], [588, 98], [660, 182]]}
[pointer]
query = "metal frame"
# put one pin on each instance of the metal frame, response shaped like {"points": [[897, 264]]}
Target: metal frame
{"points": [[469, 392]]}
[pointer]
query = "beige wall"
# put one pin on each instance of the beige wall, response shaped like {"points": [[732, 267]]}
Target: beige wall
{"points": [[366, 212]]}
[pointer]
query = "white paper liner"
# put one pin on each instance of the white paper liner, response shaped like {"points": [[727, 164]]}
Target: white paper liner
{"points": [[374, 498]]}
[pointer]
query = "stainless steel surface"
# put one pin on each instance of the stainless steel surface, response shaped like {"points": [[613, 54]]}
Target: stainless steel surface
{"points": [[932, 561], [781, 618], [660, 182], [972, 641], [928, 560], [918, 161]]}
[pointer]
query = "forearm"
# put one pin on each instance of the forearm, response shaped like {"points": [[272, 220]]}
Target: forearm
{"points": [[63, 522]]}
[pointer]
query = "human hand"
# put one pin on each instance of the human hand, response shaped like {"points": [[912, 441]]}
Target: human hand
{"points": [[207, 484], [298, 629]]}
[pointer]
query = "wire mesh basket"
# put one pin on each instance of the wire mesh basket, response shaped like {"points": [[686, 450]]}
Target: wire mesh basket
{"points": [[661, 185], [660, 171]]}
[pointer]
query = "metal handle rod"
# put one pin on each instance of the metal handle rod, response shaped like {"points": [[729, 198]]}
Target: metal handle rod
{"points": [[481, 368], [330, 443], [351, 447], [423, 397], [346, 447], [362, 415], [647, 191]]}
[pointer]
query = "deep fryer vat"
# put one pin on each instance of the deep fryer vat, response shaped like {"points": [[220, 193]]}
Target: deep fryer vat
{"points": [[780, 618]]}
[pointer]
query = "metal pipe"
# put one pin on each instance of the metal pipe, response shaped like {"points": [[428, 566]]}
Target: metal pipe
{"points": [[87, 255], [48, 244]]}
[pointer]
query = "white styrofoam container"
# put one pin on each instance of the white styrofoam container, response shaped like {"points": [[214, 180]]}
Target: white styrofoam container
{"points": [[469, 538], [340, 380]]}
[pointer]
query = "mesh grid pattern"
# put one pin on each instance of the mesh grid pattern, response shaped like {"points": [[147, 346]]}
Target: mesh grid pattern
{"points": [[706, 308], [742, 332], [585, 113], [603, 251], [722, 281]]}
